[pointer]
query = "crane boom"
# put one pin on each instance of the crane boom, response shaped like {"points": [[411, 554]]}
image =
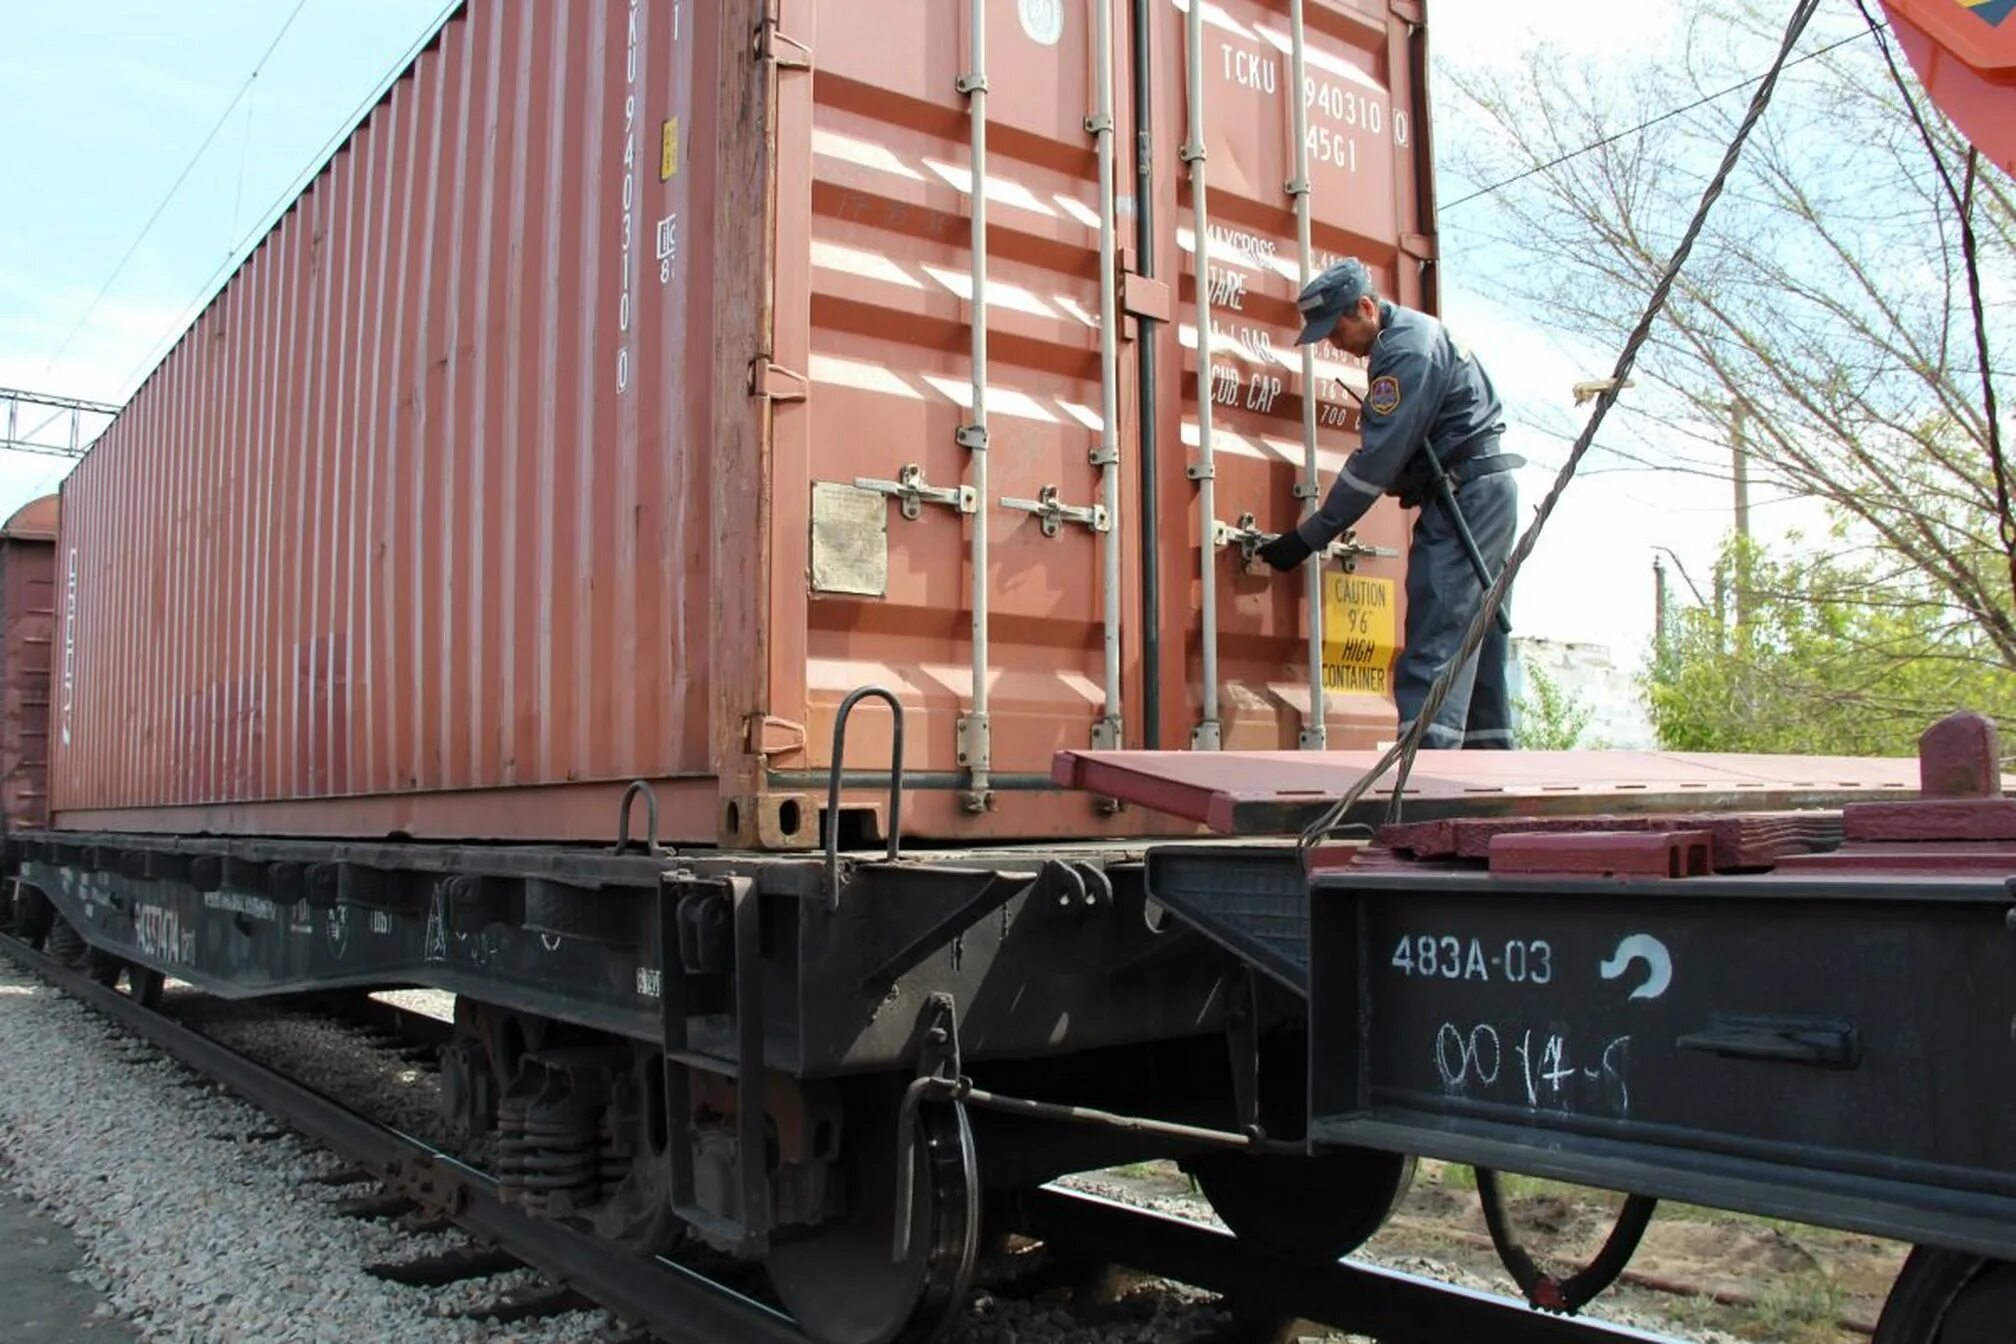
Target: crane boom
{"points": [[1965, 54]]}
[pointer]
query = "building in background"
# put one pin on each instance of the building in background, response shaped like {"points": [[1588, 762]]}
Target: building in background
{"points": [[1585, 675]]}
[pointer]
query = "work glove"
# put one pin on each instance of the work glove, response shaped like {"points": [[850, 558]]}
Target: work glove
{"points": [[1285, 552]]}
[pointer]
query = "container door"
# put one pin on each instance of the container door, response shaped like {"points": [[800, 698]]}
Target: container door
{"points": [[907, 412], [1229, 108]]}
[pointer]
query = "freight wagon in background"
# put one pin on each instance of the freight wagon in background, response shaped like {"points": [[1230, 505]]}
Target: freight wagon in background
{"points": [[613, 404], [27, 622]]}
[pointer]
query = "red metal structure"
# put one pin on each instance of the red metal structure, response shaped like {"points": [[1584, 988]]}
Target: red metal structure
{"points": [[27, 624], [1965, 54], [1262, 793]]}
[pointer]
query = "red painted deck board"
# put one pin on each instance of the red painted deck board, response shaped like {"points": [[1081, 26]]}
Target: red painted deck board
{"points": [[1274, 791]]}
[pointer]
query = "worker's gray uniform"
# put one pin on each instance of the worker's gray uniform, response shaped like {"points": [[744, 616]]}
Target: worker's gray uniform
{"points": [[1423, 386]]}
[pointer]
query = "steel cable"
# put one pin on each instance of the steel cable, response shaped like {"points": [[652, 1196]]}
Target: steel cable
{"points": [[1963, 205], [1404, 751]]}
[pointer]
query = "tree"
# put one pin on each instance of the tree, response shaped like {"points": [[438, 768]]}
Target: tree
{"points": [[1834, 658], [1551, 718], [1828, 297]]}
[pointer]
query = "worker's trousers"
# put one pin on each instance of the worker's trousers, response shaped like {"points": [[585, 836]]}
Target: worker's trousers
{"points": [[1443, 595]]}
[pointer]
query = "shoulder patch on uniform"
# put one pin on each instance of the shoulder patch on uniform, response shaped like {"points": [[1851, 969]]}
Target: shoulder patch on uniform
{"points": [[1384, 396]]}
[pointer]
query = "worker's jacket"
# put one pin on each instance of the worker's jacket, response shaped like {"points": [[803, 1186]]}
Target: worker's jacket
{"points": [[1422, 387]]}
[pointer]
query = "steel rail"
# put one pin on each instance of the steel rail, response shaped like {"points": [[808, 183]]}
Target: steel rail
{"points": [[1393, 1307], [674, 1303]]}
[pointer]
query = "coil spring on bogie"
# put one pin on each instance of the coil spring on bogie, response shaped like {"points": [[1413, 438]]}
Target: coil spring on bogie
{"points": [[558, 1149], [511, 1150], [66, 945], [559, 1156], [616, 1158]]}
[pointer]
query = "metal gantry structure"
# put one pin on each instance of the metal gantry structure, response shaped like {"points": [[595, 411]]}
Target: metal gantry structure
{"points": [[38, 422]]}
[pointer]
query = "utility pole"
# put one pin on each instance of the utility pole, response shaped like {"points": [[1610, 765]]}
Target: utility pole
{"points": [[1658, 605], [1739, 417]]}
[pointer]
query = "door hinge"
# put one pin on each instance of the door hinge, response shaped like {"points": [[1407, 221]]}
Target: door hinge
{"points": [[779, 48], [774, 382], [769, 735], [1143, 296]]}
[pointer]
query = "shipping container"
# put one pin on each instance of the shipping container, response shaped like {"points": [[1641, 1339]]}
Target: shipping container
{"points": [[642, 377], [27, 625]]}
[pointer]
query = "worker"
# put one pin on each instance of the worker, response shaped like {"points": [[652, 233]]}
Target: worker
{"points": [[1425, 394]]}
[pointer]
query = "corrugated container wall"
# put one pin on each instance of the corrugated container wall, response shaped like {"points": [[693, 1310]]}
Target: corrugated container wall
{"points": [[27, 628], [605, 410]]}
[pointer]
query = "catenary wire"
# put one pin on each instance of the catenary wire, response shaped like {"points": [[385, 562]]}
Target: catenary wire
{"points": [[317, 161], [176, 187], [1647, 125]]}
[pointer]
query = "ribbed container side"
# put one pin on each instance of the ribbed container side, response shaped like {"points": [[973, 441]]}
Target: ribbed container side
{"points": [[409, 512]]}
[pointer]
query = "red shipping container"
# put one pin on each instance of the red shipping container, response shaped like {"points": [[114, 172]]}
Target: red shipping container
{"points": [[605, 410]]}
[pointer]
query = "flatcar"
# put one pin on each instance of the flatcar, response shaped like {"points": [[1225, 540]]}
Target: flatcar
{"points": [[582, 559]]}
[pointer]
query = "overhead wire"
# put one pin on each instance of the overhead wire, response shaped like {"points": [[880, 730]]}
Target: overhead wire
{"points": [[207, 291], [1645, 125], [1403, 752], [244, 158], [175, 187]]}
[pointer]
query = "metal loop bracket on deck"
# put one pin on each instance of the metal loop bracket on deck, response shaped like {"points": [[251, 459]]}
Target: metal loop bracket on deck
{"points": [[838, 767], [639, 788]]}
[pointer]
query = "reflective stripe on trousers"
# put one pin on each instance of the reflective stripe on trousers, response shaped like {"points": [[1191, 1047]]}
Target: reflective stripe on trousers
{"points": [[1442, 597]]}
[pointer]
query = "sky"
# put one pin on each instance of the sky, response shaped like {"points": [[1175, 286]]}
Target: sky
{"points": [[111, 99]]}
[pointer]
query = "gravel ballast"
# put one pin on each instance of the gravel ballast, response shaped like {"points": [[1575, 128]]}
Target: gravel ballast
{"points": [[195, 1231]]}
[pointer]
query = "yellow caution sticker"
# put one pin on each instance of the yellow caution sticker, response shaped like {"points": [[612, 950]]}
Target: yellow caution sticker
{"points": [[1360, 634], [668, 153]]}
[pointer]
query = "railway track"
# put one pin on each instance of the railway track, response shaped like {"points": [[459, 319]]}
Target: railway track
{"points": [[673, 1303], [676, 1304]]}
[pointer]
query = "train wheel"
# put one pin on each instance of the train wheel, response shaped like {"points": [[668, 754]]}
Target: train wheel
{"points": [[841, 1280], [65, 946], [1312, 1210], [139, 983], [33, 916], [1947, 1297]]}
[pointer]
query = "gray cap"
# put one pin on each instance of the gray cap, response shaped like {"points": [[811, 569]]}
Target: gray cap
{"points": [[1330, 296]]}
